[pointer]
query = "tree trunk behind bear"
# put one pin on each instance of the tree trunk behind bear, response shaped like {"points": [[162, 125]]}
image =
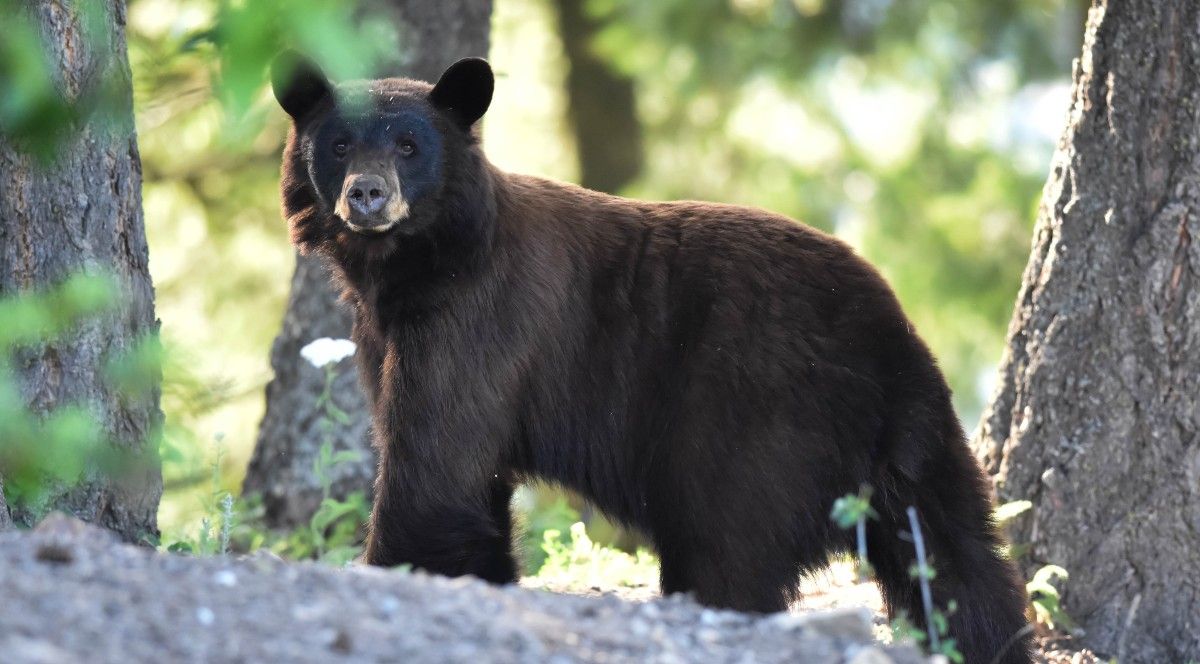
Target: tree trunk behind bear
{"points": [[602, 105], [433, 34], [83, 211], [1097, 418]]}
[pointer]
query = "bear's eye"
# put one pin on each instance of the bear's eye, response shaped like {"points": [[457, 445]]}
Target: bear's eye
{"points": [[407, 148], [340, 146]]}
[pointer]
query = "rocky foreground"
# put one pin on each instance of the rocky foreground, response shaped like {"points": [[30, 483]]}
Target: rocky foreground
{"points": [[70, 593]]}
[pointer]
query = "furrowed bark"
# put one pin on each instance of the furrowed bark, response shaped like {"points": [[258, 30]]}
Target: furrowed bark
{"points": [[83, 212], [1097, 417]]}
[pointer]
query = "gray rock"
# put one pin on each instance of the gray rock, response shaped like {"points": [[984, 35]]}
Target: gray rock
{"points": [[853, 624], [869, 655], [71, 592]]}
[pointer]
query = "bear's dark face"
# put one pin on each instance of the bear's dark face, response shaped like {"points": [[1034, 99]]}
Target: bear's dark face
{"points": [[370, 163], [375, 169]]}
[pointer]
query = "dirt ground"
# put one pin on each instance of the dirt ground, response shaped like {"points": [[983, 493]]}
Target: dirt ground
{"points": [[70, 592], [838, 589]]}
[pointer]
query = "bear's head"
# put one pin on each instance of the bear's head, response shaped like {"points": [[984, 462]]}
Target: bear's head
{"points": [[373, 166]]}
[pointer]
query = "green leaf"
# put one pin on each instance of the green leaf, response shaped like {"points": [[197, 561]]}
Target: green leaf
{"points": [[1010, 510], [180, 547], [329, 512], [341, 555], [916, 571], [138, 370], [344, 457], [1049, 572], [338, 415]]}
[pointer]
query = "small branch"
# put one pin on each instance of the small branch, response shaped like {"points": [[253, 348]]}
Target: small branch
{"points": [[923, 575], [861, 532]]}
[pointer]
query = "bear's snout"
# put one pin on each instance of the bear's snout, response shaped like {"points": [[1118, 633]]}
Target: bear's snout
{"points": [[371, 203], [367, 194]]}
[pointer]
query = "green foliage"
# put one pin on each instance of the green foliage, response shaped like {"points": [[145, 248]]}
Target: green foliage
{"points": [[575, 561], [1045, 598], [33, 112], [852, 508], [946, 645], [34, 318], [212, 535], [139, 370], [43, 451], [227, 524], [903, 630], [852, 511], [1011, 510], [555, 515], [936, 621], [918, 571], [333, 534], [338, 544], [335, 525], [248, 36], [30, 106]]}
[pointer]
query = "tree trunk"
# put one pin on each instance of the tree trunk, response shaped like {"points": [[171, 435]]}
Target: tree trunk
{"points": [[1097, 416], [83, 212], [602, 106], [433, 34]]}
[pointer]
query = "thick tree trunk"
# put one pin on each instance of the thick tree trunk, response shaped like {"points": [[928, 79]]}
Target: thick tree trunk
{"points": [[84, 212], [432, 34], [602, 106], [1097, 419]]}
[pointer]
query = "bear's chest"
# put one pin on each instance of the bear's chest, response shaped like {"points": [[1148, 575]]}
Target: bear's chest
{"points": [[429, 357]]}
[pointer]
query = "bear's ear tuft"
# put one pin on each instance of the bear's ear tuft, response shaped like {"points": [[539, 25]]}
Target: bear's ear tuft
{"points": [[298, 84], [465, 90]]}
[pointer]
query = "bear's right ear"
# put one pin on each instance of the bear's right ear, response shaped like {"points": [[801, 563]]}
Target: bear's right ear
{"points": [[465, 90], [298, 83]]}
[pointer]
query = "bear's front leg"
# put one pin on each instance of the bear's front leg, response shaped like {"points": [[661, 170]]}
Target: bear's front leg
{"points": [[442, 528]]}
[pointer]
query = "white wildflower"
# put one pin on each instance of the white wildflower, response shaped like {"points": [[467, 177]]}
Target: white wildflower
{"points": [[325, 351]]}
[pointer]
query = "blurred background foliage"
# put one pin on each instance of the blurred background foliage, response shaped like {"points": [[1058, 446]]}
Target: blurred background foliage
{"points": [[919, 131]]}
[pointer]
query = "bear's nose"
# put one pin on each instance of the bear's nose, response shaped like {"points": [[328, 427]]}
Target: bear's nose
{"points": [[367, 194]]}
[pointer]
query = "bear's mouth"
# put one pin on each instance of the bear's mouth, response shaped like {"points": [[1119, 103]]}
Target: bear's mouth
{"points": [[372, 230]]}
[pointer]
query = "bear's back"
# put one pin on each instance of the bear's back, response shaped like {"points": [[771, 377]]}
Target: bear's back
{"points": [[766, 273]]}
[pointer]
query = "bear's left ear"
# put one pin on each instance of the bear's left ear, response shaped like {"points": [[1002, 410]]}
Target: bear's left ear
{"points": [[465, 90]]}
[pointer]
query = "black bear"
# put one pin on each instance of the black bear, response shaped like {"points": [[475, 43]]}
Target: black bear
{"points": [[714, 376]]}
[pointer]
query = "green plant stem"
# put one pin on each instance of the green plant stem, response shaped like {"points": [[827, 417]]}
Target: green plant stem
{"points": [[923, 575], [861, 532]]}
